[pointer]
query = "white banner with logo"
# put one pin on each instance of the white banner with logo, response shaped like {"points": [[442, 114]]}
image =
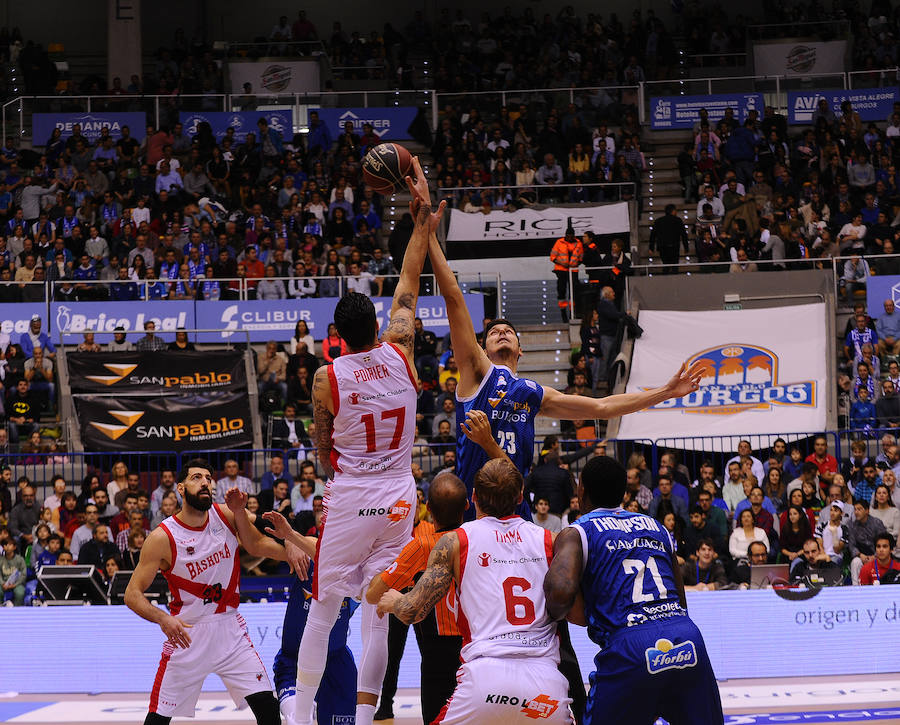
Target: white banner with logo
{"points": [[799, 58], [283, 76], [758, 377], [533, 223]]}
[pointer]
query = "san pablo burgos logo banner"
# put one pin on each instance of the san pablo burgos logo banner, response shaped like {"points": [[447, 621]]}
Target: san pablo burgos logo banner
{"points": [[738, 378]]}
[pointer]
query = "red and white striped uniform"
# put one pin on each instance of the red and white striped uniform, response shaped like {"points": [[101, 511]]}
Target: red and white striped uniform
{"points": [[510, 650], [370, 504], [205, 574], [374, 395], [203, 580]]}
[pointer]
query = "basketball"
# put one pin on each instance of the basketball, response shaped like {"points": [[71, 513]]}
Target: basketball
{"points": [[385, 167]]}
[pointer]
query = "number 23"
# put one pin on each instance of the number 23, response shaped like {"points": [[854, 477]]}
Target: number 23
{"points": [[507, 441]]}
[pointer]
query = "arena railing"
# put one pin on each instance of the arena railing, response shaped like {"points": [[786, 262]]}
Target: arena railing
{"points": [[691, 451], [792, 29], [883, 78], [599, 191]]}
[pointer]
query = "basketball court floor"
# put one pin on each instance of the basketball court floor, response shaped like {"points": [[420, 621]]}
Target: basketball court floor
{"points": [[851, 700]]}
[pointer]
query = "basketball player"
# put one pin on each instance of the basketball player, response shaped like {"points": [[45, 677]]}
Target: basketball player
{"points": [[653, 662], [197, 552], [488, 382], [364, 406], [510, 651], [438, 635]]}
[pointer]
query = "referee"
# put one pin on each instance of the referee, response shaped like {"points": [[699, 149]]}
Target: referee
{"points": [[437, 635]]}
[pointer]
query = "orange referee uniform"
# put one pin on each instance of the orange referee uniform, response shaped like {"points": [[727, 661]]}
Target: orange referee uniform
{"points": [[413, 560], [437, 635]]}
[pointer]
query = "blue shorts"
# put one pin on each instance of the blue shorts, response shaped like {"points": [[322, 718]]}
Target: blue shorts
{"points": [[336, 698], [653, 670]]}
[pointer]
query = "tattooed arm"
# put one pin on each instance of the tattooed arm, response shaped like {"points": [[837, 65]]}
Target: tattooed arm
{"points": [[438, 577], [403, 308], [562, 585], [323, 415]]}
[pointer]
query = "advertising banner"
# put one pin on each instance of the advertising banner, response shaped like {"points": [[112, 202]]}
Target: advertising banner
{"points": [[102, 318], [799, 58], [879, 289], [873, 104], [533, 223], [176, 423], [283, 76], [755, 381], [866, 616], [159, 373], [684, 111], [276, 320], [15, 318], [264, 320], [391, 123], [243, 122], [42, 125]]}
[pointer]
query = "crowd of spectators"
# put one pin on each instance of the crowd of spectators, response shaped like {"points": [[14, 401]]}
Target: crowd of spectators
{"points": [[764, 194], [832, 522]]}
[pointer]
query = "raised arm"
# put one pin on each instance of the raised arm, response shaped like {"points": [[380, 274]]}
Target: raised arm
{"points": [[403, 307], [562, 584], [155, 556], [439, 576], [580, 407], [323, 415], [251, 538], [471, 359]]}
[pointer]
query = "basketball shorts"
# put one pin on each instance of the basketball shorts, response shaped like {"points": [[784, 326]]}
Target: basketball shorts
{"points": [[368, 521], [494, 690], [657, 669], [219, 645]]}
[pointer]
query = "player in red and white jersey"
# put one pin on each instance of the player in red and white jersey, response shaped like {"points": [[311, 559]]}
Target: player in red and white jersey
{"points": [[364, 406], [510, 649], [197, 552]]}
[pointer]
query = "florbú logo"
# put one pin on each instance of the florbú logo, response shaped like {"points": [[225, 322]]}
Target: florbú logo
{"points": [[667, 656], [738, 378]]}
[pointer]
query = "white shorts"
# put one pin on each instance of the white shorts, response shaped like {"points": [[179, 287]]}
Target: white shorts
{"points": [[368, 521], [508, 690], [219, 644]]}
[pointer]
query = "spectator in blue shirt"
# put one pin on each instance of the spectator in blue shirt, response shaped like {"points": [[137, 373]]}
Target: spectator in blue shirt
{"points": [[276, 471], [35, 338], [366, 215], [862, 412], [123, 289], [888, 328], [318, 140], [269, 140], [857, 337]]}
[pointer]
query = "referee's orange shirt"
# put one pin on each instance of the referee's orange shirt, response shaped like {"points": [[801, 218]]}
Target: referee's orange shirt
{"points": [[412, 561]]}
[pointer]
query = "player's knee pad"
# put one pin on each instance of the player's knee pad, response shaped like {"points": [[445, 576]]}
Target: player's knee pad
{"points": [[156, 719], [264, 707], [372, 666]]}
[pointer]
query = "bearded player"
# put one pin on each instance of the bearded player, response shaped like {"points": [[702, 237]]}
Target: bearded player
{"points": [[197, 552]]}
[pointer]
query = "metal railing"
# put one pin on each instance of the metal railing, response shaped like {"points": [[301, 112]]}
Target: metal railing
{"points": [[883, 78], [772, 31], [597, 191]]}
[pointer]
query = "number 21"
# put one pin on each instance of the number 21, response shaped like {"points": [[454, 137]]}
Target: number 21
{"points": [[636, 567]]}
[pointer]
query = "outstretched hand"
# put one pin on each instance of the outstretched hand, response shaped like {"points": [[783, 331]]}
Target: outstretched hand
{"points": [[686, 380], [280, 527], [420, 204], [235, 499], [477, 428]]}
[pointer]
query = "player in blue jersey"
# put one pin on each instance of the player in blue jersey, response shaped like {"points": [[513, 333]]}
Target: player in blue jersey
{"points": [[615, 571], [336, 699], [488, 382]]}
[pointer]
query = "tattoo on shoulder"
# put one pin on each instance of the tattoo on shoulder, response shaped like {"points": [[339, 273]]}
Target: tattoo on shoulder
{"points": [[400, 329], [432, 585]]}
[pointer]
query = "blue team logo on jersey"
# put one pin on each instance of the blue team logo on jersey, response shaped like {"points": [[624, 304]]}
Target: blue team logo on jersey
{"points": [[739, 378], [667, 656]]}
